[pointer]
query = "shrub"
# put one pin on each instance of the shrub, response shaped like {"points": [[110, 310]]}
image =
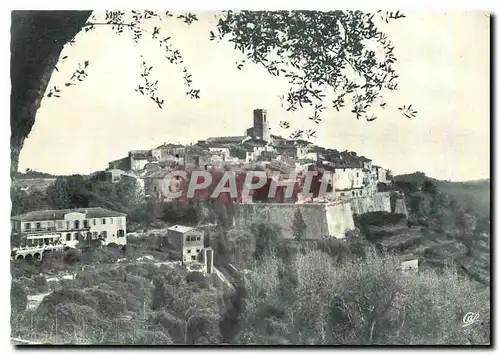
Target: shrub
{"points": [[108, 303], [40, 283], [72, 256], [198, 278], [18, 297]]}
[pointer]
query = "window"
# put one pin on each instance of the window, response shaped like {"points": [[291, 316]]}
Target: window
{"points": [[104, 234], [67, 224], [197, 250], [27, 226], [198, 238], [85, 223], [353, 193], [193, 257], [94, 235], [95, 221], [77, 224], [357, 175], [104, 221], [360, 193], [189, 251], [121, 233], [38, 226], [68, 237], [59, 225], [111, 220]]}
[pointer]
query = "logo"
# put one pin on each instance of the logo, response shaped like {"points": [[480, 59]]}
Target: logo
{"points": [[470, 318], [177, 184]]}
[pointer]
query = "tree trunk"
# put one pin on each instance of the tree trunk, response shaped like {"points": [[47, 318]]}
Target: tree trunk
{"points": [[37, 39]]}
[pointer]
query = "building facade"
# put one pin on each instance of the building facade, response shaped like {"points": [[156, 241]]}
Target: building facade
{"points": [[67, 227], [190, 242], [168, 152]]}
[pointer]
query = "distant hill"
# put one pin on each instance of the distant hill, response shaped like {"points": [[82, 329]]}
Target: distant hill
{"points": [[473, 196], [31, 174], [450, 222]]}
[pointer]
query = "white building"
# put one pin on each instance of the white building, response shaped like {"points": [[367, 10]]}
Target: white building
{"points": [[409, 263], [348, 181], [190, 241], [381, 174], [68, 226]]}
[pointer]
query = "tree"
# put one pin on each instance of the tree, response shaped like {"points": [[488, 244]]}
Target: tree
{"points": [[322, 54], [69, 192], [358, 303], [23, 202], [298, 226], [266, 239], [37, 39]]}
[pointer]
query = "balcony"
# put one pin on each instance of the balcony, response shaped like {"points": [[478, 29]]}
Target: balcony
{"points": [[34, 231], [41, 231]]}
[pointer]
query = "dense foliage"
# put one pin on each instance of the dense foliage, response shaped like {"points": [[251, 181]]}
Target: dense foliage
{"points": [[311, 300]]}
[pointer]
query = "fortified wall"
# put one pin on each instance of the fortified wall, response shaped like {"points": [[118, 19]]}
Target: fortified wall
{"points": [[321, 219], [379, 202]]}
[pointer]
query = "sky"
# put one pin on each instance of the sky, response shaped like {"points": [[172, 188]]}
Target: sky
{"points": [[443, 68]]}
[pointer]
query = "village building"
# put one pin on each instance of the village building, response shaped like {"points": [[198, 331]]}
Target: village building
{"points": [[172, 153], [191, 243], [311, 155], [408, 263], [254, 148], [381, 174], [197, 156], [70, 225], [139, 159], [136, 160], [290, 148]]}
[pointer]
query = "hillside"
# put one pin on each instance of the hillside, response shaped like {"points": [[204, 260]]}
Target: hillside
{"points": [[470, 195], [448, 223]]}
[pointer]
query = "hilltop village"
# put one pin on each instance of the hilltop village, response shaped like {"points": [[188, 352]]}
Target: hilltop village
{"points": [[257, 149], [354, 186]]}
